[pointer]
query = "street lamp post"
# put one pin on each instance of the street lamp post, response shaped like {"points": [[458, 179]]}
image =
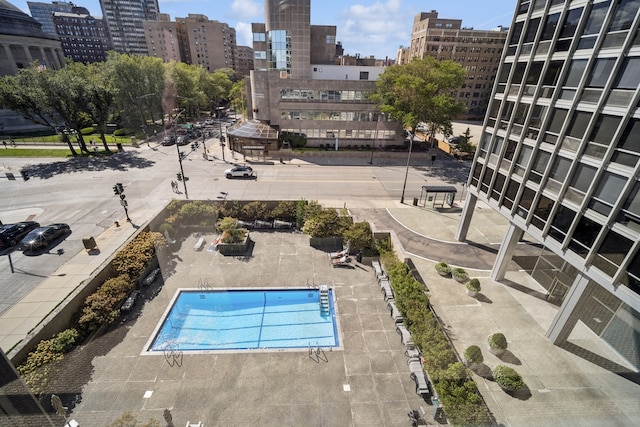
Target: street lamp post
{"points": [[180, 154], [222, 139], [373, 148], [406, 174]]}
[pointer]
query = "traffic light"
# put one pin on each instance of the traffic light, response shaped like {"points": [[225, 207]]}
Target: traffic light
{"points": [[25, 175], [115, 190], [179, 175], [120, 187]]}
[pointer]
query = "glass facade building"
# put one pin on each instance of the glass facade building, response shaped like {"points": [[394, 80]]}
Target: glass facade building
{"points": [[559, 157]]}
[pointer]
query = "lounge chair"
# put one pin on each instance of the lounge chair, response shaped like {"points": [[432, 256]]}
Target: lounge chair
{"points": [[385, 288], [422, 385], [341, 262], [395, 313], [344, 252], [405, 335], [378, 269]]}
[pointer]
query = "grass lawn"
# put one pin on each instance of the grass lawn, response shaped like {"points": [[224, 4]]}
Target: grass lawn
{"points": [[35, 152]]}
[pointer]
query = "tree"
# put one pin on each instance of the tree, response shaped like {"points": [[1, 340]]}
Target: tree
{"points": [[238, 95], [138, 83], [421, 91], [464, 145]]}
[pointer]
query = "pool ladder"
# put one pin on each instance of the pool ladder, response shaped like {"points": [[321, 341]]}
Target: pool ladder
{"points": [[324, 299]]}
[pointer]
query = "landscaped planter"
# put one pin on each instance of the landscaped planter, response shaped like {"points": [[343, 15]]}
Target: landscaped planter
{"points": [[327, 243], [507, 378], [473, 287], [497, 343], [459, 275], [443, 269], [235, 248]]}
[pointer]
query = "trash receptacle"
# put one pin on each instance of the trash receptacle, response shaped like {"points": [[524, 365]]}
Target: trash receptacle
{"points": [[89, 243], [119, 145], [415, 201]]}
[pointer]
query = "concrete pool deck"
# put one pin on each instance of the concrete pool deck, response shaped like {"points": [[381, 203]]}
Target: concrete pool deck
{"points": [[365, 384]]}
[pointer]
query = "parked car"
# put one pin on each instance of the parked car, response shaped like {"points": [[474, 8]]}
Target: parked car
{"points": [[12, 234], [168, 140], [130, 301], [42, 237], [182, 140], [239, 172]]}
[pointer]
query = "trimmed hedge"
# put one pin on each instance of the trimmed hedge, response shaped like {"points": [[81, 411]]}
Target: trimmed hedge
{"points": [[463, 404]]}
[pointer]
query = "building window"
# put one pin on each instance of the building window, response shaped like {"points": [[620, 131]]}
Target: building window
{"points": [[561, 223], [582, 179], [510, 195], [584, 236], [331, 39], [541, 212], [601, 136], [259, 54], [607, 192], [364, 75], [539, 166], [630, 213], [628, 148], [576, 130], [259, 37], [612, 253]]}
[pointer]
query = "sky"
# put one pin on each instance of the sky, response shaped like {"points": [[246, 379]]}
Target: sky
{"points": [[365, 27]]}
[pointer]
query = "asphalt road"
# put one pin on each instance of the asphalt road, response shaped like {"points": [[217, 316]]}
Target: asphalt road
{"points": [[79, 192]]}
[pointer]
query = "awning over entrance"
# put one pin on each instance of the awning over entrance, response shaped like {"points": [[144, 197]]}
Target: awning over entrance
{"points": [[437, 195], [253, 129]]}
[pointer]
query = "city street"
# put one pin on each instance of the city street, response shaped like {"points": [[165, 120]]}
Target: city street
{"points": [[79, 192]]}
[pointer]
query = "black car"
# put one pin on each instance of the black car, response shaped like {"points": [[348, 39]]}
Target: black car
{"points": [[42, 237], [11, 234], [168, 140]]}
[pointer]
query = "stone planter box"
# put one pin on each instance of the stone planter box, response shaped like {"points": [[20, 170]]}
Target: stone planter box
{"points": [[496, 351], [326, 243], [368, 260], [471, 293], [235, 248]]}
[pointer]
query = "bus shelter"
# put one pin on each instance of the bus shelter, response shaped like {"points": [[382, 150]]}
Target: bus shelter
{"points": [[437, 196]]}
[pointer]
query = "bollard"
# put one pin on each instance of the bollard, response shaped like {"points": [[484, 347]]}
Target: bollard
{"points": [[117, 223]]}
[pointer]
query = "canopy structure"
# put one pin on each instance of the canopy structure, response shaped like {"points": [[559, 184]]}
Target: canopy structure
{"points": [[252, 137], [437, 195]]}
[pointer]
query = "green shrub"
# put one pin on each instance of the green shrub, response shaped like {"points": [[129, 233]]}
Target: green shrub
{"points": [[326, 223], [284, 210], [101, 307], [497, 341], [443, 268], [459, 274], [473, 285], [120, 132], [65, 340], [227, 223], [166, 229], [360, 236], [197, 212], [87, 131], [254, 210], [473, 354], [507, 377], [134, 257]]}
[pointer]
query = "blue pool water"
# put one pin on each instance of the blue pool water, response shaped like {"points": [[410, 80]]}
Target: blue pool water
{"points": [[247, 319]]}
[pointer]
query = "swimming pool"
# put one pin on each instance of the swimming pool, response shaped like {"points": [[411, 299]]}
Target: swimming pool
{"points": [[247, 319]]}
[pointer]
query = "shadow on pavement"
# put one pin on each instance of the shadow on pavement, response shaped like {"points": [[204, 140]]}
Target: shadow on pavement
{"points": [[117, 161]]}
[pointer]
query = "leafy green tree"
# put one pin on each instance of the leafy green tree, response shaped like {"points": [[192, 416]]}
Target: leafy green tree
{"points": [[138, 83], [238, 96], [464, 145], [421, 91]]}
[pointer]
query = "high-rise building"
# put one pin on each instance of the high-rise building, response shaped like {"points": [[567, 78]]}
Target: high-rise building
{"points": [[124, 23], [83, 37], [559, 157], [244, 60], [296, 87], [42, 12], [211, 44], [477, 51], [192, 40]]}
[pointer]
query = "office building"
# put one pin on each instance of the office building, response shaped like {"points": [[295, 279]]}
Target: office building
{"points": [[42, 12], [477, 51], [163, 38], [124, 23], [559, 157], [84, 38], [296, 87]]}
